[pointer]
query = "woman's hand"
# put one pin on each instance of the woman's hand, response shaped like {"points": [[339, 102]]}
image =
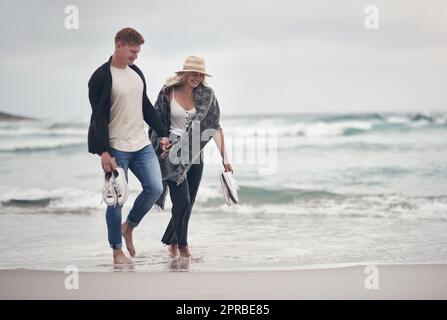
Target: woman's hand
{"points": [[228, 167], [164, 143]]}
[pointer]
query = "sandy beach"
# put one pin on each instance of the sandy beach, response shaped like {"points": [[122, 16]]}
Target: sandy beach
{"points": [[394, 282]]}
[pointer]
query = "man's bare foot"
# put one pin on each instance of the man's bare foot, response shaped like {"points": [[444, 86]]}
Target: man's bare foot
{"points": [[126, 232], [184, 252], [120, 258], [173, 250]]}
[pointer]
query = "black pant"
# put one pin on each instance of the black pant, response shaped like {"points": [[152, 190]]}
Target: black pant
{"points": [[182, 197]]}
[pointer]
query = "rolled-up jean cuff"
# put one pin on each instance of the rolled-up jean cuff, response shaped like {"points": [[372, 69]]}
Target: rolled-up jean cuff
{"points": [[116, 246], [130, 223]]}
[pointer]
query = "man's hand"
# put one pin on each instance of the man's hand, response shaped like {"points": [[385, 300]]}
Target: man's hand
{"points": [[164, 143], [108, 163]]}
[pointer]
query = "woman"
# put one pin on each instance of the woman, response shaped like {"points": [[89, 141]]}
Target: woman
{"points": [[189, 108]]}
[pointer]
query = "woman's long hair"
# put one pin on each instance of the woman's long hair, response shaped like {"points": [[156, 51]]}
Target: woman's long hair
{"points": [[179, 79]]}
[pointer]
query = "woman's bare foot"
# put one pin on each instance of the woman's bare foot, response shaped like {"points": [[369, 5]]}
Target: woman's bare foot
{"points": [[126, 232], [173, 250], [184, 252], [120, 258]]}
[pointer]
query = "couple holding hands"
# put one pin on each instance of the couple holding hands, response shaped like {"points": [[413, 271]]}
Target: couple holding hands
{"points": [[120, 106]]}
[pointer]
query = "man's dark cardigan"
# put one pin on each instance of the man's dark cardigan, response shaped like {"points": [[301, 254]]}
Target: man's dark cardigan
{"points": [[99, 92]]}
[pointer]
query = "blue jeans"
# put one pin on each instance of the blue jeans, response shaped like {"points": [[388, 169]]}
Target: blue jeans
{"points": [[145, 166]]}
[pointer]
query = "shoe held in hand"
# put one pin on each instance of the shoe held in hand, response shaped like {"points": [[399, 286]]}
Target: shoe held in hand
{"points": [[230, 187]]}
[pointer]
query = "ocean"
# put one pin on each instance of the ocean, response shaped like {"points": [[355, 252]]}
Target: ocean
{"points": [[316, 191]]}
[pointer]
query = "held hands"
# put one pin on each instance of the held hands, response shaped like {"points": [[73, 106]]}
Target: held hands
{"points": [[108, 163], [165, 145]]}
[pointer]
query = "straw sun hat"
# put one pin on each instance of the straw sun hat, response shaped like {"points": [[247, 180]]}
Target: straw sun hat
{"points": [[194, 64]]}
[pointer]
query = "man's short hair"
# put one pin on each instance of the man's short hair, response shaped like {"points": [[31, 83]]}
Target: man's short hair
{"points": [[129, 36]]}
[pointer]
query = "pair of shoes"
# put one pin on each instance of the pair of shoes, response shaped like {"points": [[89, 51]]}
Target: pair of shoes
{"points": [[230, 187], [115, 190]]}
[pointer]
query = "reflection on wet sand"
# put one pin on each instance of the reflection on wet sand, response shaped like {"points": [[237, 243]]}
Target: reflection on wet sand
{"points": [[182, 264]]}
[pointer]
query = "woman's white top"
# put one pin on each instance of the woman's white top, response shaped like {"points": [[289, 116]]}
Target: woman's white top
{"points": [[180, 117]]}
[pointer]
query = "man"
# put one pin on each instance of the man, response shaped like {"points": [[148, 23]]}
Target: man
{"points": [[117, 94]]}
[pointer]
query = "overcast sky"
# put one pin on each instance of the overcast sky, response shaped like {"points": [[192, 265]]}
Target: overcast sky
{"points": [[266, 56]]}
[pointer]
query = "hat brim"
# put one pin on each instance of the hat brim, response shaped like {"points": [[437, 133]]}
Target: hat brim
{"points": [[185, 71]]}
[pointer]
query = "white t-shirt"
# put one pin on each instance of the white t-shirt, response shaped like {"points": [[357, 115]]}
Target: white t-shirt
{"points": [[127, 130]]}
